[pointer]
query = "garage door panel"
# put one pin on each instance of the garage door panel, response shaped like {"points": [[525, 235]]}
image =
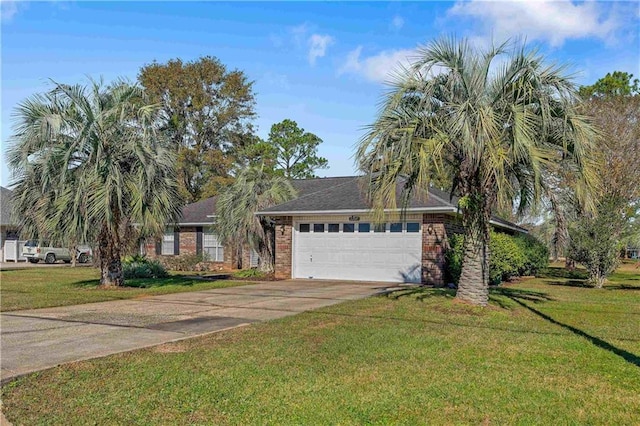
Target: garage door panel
{"points": [[393, 257]]}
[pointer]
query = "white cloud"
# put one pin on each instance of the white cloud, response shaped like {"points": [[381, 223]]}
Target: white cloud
{"points": [[397, 22], [318, 45], [378, 68], [550, 21], [8, 10], [299, 33]]}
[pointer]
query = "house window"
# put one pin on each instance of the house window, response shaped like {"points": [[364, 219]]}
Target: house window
{"points": [[318, 227], [364, 227], [304, 227], [395, 227], [212, 248], [347, 227], [167, 243], [379, 227], [413, 227], [334, 227]]}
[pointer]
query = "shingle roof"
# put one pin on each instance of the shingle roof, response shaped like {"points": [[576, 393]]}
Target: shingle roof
{"points": [[334, 194], [348, 193], [196, 213], [6, 207]]}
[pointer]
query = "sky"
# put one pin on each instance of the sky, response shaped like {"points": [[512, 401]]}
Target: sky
{"points": [[323, 65]]}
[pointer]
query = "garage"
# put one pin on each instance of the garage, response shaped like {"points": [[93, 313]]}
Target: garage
{"points": [[326, 248]]}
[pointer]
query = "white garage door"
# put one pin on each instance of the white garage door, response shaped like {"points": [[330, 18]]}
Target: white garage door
{"points": [[358, 251]]}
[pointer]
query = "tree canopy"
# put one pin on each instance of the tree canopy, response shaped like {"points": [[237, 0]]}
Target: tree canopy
{"points": [[206, 113], [88, 162], [617, 83], [292, 151], [255, 188], [494, 125], [597, 237]]}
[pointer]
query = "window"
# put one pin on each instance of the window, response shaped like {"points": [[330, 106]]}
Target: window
{"points": [[395, 227], [413, 227], [334, 227], [318, 227], [379, 227], [364, 227], [212, 249], [167, 243], [304, 227], [348, 227]]}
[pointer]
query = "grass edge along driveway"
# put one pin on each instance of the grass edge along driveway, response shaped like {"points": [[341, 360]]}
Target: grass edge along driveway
{"points": [[547, 351], [33, 288]]}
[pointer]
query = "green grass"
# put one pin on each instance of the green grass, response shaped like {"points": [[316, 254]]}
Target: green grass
{"points": [[46, 287], [546, 351]]}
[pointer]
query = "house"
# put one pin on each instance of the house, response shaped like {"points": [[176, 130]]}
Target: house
{"points": [[193, 235], [328, 232], [9, 229], [632, 252]]}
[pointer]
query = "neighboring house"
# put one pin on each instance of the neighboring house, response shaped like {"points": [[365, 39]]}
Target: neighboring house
{"points": [[632, 252], [328, 232], [9, 229]]}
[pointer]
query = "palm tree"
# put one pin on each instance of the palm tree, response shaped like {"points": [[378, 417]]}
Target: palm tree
{"points": [[494, 124], [89, 161], [254, 189]]}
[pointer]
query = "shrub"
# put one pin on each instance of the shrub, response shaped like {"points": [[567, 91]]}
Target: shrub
{"points": [[184, 262], [536, 254], [510, 256], [453, 257], [140, 267], [249, 273], [507, 258]]}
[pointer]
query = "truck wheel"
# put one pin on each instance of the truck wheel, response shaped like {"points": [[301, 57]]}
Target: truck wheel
{"points": [[50, 258], [83, 258], [33, 260]]}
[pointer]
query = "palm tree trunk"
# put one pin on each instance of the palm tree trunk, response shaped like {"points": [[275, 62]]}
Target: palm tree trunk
{"points": [[474, 279], [111, 274], [267, 249]]}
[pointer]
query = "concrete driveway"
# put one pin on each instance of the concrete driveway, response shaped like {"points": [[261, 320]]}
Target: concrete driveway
{"points": [[38, 339]]}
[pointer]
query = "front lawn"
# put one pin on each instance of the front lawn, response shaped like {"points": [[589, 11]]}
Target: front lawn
{"points": [[547, 351], [42, 287]]}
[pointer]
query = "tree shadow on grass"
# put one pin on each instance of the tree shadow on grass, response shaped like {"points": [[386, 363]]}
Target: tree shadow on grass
{"points": [[506, 297], [569, 283], [522, 299], [141, 283], [419, 292], [622, 287], [576, 274]]}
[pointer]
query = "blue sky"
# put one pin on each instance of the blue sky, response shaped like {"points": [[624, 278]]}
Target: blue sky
{"points": [[320, 64]]}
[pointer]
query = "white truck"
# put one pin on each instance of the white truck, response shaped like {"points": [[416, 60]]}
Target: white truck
{"points": [[35, 251]]}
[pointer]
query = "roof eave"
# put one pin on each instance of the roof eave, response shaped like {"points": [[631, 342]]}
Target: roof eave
{"points": [[349, 211]]}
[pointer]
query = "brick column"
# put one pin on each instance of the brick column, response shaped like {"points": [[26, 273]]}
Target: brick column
{"points": [[284, 231], [434, 244]]}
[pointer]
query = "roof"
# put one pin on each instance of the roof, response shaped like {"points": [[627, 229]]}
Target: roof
{"points": [[349, 194], [199, 213], [345, 194], [6, 207]]}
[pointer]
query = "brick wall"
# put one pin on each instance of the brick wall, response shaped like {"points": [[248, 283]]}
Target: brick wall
{"points": [[188, 245], [436, 229], [284, 229], [188, 240]]}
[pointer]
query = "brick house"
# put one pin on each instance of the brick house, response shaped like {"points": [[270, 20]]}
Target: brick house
{"points": [[328, 232], [193, 235]]}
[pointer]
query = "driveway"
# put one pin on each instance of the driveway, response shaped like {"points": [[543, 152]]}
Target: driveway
{"points": [[38, 339]]}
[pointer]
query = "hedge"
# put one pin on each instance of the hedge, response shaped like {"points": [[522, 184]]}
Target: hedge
{"points": [[511, 256]]}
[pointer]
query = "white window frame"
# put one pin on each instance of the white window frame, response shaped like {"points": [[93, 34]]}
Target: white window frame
{"points": [[212, 248], [168, 243]]}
